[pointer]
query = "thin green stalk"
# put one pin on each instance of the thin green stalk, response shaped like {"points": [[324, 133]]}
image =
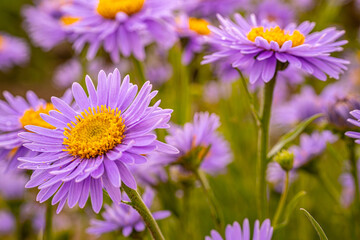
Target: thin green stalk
{"points": [[48, 222], [282, 202], [328, 187], [250, 98], [138, 204], [139, 70], [215, 213], [263, 144]]}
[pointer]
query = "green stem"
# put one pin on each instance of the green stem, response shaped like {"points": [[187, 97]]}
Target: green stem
{"points": [[250, 98], [211, 199], [138, 204], [328, 186], [48, 222], [263, 142], [139, 70], [282, 202]]}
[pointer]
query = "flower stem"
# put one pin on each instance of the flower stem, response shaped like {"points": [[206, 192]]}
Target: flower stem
{"points": [[263, 142], [48, 222], [282, 202], [138, 204], [210, 197], [250, 98], [139, 69]]}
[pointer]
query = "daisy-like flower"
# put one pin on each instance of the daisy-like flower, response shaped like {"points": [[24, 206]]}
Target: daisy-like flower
{"points": [[193, 30], [47, 24], [260, 47], [13, 51], [16, 114], [200, 145], [310, 147], [234, 232], [124, 27], [68, 73], [122, 217], [91, 144]]}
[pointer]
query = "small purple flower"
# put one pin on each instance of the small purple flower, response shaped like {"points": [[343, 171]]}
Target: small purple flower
{"points": [[16, 114], [259, 47], [125, 27], [13, 187], [125, 218], [47, 23], [7, 221], [199, 144], [275, 11], [339, 112], [68, 73], [94, 142], [348, 187], [310, 147], [234, 232], [13, 51]]}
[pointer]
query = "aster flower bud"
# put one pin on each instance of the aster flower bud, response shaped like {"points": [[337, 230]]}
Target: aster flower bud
{"points": [[285, 159], [339, 112]]}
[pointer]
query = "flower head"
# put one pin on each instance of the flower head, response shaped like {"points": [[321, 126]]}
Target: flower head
{"points": [[13, 51], [123, 217], [93, 143], [200, 145], [263, 47], [18, 112], [261, 232], [125, 27], [339, 112], [47, 23]]}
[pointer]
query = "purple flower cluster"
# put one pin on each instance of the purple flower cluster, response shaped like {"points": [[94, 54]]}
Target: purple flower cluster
{"points": [[13, 51]]}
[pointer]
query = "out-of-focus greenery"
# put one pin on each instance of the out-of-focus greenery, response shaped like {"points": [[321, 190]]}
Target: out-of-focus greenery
{"points": [[235, 189]]}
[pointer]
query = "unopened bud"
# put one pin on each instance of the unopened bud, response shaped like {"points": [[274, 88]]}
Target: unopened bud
{"points": [[285, 159]]}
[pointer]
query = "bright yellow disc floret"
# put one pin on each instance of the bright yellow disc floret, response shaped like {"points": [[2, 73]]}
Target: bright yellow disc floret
{"points": [[276, 34], [109, 8], [200, 26], [68, 20], [32, 116], [95, 132]]}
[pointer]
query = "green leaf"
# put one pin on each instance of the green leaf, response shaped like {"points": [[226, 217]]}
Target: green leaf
{"points": [[316, 225], [290, 208], [290, 136]]}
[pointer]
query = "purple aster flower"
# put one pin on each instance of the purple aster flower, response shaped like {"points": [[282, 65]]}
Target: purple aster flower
{"points": [[123, 217], [209, 8], [275, 11], [47, 24], [214, 91], [259, 47], [13, 51], [234, 232], [93, 143], [17, 113], [7, 221], [13, 187], [348, 187], [68, 73], [124, 27], [199, 144], [310, 147]]}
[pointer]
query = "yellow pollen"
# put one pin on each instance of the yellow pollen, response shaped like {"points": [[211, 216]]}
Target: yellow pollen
{"points": [[95, 132], [109, 8], [200, 26], [32, 117], [68, 20], [276, 34]]}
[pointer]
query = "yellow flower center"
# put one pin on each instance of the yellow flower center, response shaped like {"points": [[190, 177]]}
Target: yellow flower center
{"points": [[276, 34], [109, 8], [200, 26], [32, 116], [68, 20], [95, 132]]}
